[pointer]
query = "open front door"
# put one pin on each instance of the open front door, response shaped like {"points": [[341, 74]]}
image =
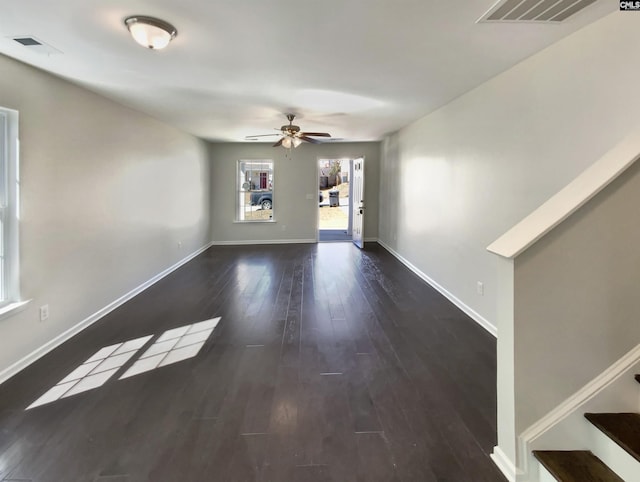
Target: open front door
{"points": [[357, 203]]}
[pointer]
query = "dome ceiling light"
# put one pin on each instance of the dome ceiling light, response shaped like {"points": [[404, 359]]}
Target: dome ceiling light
{"points": [[150, 32]]}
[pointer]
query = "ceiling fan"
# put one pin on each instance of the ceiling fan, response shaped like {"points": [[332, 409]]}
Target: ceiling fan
{"points": [[292, 136]]}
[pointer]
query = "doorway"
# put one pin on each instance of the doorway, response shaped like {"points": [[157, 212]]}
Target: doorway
{"points": [[335, 216]]}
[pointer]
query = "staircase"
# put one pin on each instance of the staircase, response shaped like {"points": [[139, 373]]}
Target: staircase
{"points": [[616, 458]]}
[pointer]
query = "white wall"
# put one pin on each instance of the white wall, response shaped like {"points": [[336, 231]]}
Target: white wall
{"points": [[295, 176], [107, 194], [455, 180], [576, 306]]}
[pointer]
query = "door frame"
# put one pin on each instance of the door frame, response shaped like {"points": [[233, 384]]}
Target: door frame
{"points": [[317, 185]]}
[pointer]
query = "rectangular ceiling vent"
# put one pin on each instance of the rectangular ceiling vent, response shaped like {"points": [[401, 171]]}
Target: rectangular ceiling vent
{"points": [[35, 45], [546, 11], [27, 41]]}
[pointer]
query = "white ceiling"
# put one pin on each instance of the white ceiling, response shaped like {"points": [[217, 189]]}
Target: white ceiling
{"points": [[355, 68]]}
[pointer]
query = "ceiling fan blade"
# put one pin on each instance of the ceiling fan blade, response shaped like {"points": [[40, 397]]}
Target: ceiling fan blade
{"points": [[291, 133], [309, 139], [261, 135], [315, 134]]}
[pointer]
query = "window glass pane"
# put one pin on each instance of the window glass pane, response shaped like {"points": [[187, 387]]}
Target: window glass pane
{"points": [[255, 190], [3, 202], [3, 159], [9, 215]]}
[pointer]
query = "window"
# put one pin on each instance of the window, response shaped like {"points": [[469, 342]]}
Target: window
{"points": [[255, 191], [9, 210]]}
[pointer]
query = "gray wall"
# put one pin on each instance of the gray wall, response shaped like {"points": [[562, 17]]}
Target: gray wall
{"points": [[107, 195], [295, 176], [460, 177], [577, 308]]}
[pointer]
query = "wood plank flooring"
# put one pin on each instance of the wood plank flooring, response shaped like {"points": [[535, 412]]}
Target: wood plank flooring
{"points": [[329, 364]]}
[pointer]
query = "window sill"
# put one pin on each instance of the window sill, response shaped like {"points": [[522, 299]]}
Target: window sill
{"points": [[256, 221], [13, 308]]}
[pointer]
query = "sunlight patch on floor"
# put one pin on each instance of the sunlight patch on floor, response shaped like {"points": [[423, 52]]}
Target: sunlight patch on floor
{"points": [[94, 372], [173, 346]]}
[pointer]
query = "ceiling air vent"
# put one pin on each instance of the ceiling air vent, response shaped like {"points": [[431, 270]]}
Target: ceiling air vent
{"points": [[27, 41], [534, 10], [36, 45]]}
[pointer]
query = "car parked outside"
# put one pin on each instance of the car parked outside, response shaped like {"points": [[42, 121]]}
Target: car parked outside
{"points": [[264, 199]]}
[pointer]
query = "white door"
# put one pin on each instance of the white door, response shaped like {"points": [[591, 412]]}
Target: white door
{"points": [[357, 203]]}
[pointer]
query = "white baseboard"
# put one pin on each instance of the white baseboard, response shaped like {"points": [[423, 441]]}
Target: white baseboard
{"points": [[275, 241], [505, 464], [263, 241], [482, 321], [91, 319]]}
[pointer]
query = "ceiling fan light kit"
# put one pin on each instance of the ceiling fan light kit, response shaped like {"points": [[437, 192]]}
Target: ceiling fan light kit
{"points": [[150, 32], [292, 136]]}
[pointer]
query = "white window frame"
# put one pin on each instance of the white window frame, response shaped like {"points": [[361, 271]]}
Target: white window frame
{"points": [[10, 299], [240, 191]]}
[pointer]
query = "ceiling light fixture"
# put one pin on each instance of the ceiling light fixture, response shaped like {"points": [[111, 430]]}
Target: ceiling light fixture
{"points": [[150, 32], [292, 136], [289, 142]]}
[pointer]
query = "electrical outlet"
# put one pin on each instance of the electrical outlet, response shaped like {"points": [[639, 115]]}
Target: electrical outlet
{"points": [[179, 244], [44, 312], [480, 288], [284, 227]]}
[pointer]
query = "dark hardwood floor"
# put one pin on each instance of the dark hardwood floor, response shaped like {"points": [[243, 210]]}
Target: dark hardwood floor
{"points": [[328, 364]]}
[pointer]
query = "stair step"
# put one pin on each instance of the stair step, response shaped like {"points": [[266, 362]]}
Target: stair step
{"points": [[575, 466], [622, 428]]}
